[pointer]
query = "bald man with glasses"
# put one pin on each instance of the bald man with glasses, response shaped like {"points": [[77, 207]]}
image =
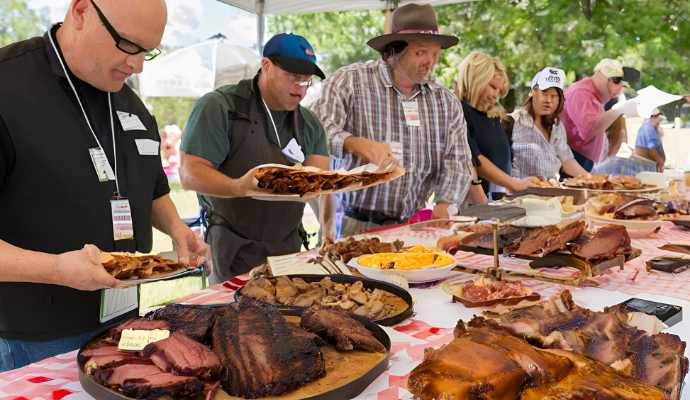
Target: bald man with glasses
{"points": [[80, 171]]}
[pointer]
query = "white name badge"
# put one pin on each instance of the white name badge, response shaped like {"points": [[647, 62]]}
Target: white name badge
{"points": [[294, 151], [123, 227], [115, 302], [130, 122], [411, 111], [148, 147], [101, 164]]}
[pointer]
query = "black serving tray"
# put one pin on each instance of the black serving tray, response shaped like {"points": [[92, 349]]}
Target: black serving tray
{"points": [[347, 391], [368, 284]]}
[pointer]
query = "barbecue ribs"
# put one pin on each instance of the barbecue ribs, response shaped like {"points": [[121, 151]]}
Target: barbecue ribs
{"points": [[260, 352]]}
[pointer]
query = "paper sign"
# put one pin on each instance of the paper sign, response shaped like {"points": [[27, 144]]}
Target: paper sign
{"points": [[650, 98], [115, 302], [136, 340]]}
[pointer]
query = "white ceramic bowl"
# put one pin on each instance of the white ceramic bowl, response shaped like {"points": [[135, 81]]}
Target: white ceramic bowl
{"points": [[418, 275]]}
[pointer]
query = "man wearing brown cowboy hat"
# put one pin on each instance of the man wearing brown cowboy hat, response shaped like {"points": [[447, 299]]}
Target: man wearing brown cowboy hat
{"points": [[389, 110]]}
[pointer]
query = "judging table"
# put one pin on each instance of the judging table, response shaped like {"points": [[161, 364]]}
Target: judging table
{"points": [[432, 323]]}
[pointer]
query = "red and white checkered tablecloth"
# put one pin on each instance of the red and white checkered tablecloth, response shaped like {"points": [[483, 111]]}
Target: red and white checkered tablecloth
{"points": [[57, 377]]}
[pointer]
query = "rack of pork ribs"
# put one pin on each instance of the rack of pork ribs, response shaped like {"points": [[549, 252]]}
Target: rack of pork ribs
{"points": [[554, 349], [212, 347], [606, 243], [299, 181], [125, 266]]}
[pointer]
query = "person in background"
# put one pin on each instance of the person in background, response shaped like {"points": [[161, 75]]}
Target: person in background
{"points": [[540, 147], [583, 115], [390, 110], [649, 143], [80, 170], [238, 127], [482, 81]]}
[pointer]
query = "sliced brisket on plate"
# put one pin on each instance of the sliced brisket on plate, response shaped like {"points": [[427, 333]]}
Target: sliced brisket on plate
{"points": [[608, 242], [194, 321], [183, 356], [341, 329], [566, 235], [533, 241], [260, 353], [148, 382]]}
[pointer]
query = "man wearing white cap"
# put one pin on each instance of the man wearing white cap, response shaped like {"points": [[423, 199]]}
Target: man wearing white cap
{"points": [[540, 146], [583, 115]]}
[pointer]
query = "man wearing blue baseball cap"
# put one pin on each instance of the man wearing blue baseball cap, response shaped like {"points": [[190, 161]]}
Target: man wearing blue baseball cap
{"points": [[238, 127]]}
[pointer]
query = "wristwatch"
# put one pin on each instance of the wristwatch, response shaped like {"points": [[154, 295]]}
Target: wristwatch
{"points": [[478, 181]]}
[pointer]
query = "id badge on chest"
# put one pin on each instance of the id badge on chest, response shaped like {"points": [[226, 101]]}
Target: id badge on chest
{"points": [[100, 163], [123, 228], [294, 151], [411, 111]]}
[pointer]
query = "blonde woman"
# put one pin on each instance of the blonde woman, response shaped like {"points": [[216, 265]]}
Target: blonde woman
{"points": [[482, 81]]}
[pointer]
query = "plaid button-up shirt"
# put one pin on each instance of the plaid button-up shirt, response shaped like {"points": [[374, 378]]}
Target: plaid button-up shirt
{"points": [[361, 100], [533, 154]]}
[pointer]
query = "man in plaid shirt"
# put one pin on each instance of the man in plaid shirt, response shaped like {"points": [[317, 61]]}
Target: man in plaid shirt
{"points": [[389, 110]]}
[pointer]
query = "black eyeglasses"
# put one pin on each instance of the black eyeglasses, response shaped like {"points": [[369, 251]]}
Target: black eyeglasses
{"points": [[655, 115], [617, 80], [123, 44]]}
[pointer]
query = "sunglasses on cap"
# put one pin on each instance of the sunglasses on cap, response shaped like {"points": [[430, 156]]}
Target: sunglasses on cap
{"points": [[123, 44], [617, 80]]}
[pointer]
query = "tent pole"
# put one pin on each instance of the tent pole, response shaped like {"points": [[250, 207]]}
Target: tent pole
{"points": [[260, 25]]}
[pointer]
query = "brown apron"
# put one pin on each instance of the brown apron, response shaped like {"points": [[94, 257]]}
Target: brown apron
{"points": [[242, 232]]}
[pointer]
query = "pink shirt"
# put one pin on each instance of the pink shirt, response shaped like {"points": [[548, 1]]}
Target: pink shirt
{"points": [[581, 110]]}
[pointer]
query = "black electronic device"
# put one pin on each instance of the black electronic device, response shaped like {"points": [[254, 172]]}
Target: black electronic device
{"points": [[669, 314], [669, 264]]}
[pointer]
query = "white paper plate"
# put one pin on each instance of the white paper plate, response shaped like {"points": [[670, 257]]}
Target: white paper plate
{"points": [[635, 228], [420, 275]]}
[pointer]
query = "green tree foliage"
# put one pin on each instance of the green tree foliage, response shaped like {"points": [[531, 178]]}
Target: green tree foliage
{"points": [[528, 35], [338, 37], [18, 22]]}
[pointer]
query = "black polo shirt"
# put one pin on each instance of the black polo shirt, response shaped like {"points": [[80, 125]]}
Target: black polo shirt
{"points": [[487, 137], [50, 197]]}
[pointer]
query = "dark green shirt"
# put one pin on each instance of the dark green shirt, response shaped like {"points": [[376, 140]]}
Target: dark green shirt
{"points": [[206, 134]]}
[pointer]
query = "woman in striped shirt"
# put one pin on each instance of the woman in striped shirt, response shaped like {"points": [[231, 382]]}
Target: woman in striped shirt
{"points": [[540, 146]]}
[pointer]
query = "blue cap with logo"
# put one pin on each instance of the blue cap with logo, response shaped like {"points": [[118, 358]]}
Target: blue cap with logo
{"points": [[293, 53]]}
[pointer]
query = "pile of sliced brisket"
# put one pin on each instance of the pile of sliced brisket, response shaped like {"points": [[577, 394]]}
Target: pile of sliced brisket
{"points": [[247, 348]]}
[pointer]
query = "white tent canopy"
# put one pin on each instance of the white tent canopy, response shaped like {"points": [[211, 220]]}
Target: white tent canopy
{"points": [[277, 7], [196, 70]]}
